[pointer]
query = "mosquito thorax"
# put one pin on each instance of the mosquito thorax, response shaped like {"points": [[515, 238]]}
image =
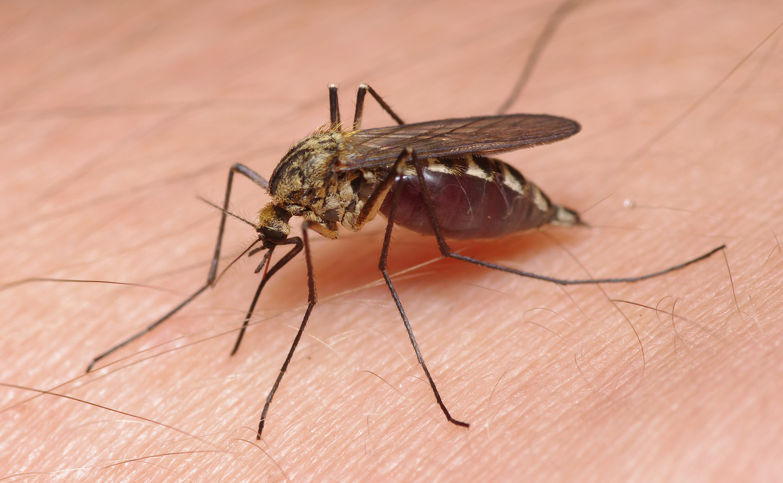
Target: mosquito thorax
{"points": [[304, 168], [306, 183]]}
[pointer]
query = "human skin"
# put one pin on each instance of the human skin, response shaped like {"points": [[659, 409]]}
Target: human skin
{"points": [[114, 119]]}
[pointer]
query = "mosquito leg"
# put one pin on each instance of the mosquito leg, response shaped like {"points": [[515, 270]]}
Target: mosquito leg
{"points": [[360, 93], [252, 176], [374, 202], [334, 107], [446, 250], [237, 168], [382, 265], [297, 242], [311, 300], [357, 114], [147, 329], [540, 44], [586, 281]]}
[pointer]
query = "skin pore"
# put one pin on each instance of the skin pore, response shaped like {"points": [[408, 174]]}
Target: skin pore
{"points": [[114, 119]]}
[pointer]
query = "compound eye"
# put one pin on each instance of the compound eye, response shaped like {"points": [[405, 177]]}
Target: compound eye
{"points": [[273, 223], [272, 234]]}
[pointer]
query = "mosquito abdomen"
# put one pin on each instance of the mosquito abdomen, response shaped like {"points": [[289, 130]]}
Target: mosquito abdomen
{"points": [[475, 197]]}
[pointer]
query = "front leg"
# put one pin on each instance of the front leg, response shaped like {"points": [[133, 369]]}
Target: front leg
{"points": [[213, 266], [298, 243]]}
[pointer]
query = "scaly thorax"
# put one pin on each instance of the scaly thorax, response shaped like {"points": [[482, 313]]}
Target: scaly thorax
{"points": [[306, 183]]}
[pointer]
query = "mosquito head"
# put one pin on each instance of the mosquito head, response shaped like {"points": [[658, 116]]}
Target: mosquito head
{"points": [[273, 224]]}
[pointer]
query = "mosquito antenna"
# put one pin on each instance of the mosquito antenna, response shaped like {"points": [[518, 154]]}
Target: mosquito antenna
{"points": [[213, 205]]}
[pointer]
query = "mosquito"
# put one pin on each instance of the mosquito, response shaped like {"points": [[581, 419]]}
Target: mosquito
{"points": [[431, 177]]}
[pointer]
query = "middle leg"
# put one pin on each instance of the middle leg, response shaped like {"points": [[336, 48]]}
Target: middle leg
{"points": [[382, 266]]}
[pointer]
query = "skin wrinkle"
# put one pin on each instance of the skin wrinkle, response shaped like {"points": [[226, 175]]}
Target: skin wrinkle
{"points": [[710, 413]]}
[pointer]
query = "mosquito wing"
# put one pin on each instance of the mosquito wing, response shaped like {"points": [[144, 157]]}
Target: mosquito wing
{"points": [[453, 137]]}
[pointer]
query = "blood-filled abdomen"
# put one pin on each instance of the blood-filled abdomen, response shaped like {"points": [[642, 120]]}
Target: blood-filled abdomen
{"points": [[474, 197]]}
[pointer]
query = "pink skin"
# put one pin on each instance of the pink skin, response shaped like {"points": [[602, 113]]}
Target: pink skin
{"points": [[553, 380]]}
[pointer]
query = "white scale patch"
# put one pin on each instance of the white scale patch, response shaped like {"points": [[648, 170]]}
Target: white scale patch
{"points": [[512, 182], [475, 171], [539, 200], [435, 166]]}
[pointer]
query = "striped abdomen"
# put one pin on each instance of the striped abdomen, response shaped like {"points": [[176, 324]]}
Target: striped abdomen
{"points": [[475, 197]]}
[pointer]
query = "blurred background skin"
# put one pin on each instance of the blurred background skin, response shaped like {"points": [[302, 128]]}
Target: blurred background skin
{"points": [[114, 117]]}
